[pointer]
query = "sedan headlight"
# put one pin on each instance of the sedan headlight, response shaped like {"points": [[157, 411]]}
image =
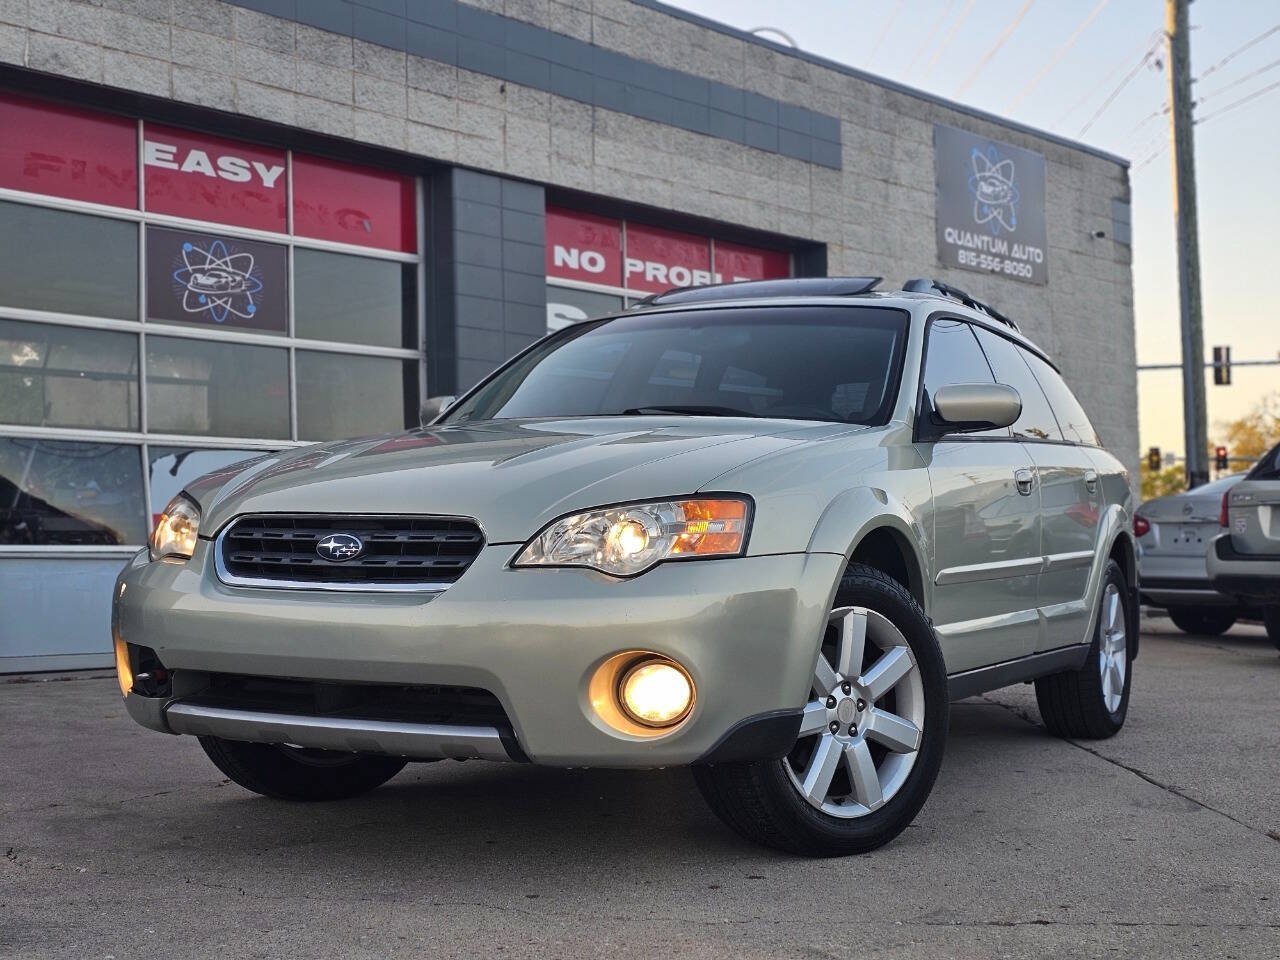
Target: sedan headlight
{"points": [[175, 532], [629, 539]]}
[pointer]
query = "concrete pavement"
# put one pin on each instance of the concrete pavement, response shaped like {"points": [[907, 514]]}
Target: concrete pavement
{"points": [[1162, 842]]}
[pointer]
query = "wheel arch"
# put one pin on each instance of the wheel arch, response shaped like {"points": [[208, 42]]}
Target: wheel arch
{"points": [[867, 525], [1124, 552]]}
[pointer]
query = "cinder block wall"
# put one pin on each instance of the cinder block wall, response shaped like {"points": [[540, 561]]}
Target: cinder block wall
{"points": [[505, 87]]}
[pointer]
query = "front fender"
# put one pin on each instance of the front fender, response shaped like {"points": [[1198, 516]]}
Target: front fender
{"points": [[856, 513]]}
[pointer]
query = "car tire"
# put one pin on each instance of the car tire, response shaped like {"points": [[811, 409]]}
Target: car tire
{"points": [[295, 773], [1271, 618], [783, 803], [1203, 621], [1084, 704]]}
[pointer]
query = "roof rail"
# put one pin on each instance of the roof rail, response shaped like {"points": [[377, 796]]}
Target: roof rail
{"points": [[928, 285], [750, 289]]}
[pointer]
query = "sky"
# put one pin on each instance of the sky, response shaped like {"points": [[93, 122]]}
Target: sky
{"points": [[954, 49]]}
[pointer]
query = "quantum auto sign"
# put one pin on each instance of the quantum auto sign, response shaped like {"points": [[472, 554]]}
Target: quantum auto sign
{"points": [[990, 206]]}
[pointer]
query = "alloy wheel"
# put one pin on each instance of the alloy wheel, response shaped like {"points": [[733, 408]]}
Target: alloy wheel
{"points": [[860, 733], [1113, 648]]}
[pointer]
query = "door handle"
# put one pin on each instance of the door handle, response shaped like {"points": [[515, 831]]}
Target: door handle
{"points": [[1091, 480], [1026, 481]]}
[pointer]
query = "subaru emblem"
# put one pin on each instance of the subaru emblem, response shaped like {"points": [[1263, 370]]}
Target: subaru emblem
{"points": [[339, 547]]}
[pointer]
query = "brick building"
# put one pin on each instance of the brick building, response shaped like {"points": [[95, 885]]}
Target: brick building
{"points": [[236, 225]]}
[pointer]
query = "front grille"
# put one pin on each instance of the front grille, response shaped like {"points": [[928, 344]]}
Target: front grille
{"points": [[354, 701], [398, 551]]}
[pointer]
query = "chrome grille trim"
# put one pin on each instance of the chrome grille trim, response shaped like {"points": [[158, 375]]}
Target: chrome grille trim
{"points": [[461, 532]]}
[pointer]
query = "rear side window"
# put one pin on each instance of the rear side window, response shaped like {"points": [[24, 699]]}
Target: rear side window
{"points": [[1037, 421], [1071, 416], [953, 356], [1268, 468]]}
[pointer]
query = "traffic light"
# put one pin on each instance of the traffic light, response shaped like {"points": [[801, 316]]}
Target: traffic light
{"points": [[1220, 458], [1153, 459], [1222, 366]]}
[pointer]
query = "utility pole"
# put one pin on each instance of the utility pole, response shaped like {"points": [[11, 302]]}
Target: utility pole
{"points": [[1195, 433]]}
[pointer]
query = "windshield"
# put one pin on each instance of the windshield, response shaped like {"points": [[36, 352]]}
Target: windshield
{"points": [[838, 364]]}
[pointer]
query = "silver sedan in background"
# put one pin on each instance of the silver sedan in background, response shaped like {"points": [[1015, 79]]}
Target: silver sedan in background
{"points": [[1173, 534]]}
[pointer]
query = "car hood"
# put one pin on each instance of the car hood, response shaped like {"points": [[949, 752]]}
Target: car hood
{"points": [[513, 476]]}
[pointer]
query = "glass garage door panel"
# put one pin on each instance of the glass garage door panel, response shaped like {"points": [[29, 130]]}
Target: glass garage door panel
{"points": [[56, 376], [340, 395], [210, 388], [59, 492], [68, 262], [174, 468], [352, 299]]}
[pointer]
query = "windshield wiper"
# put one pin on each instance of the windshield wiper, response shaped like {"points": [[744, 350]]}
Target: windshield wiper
{"points": [[690, 408]]}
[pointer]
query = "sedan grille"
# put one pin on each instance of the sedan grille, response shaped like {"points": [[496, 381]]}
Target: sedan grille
{"points": [[388, 552]]}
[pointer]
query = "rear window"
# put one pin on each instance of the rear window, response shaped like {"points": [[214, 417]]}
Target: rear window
{"points": [[1072, 419], [1268, 468]]}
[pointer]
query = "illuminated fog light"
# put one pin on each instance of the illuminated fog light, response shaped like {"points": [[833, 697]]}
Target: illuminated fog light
{"points": [[656, 693], [124, 670]]}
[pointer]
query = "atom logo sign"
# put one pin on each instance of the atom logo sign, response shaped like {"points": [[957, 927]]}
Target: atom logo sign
{"points": [[990, 210], [215, 281], [207, 279], [995, 195]]}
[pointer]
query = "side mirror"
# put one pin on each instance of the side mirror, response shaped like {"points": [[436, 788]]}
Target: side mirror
{"points": [[432, 407], [965, 407]]}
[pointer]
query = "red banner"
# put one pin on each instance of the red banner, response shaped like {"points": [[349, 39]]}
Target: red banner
{"points": [[658, 260], [64, 152], [372, 208], [586, 247], [582, 246], [200, 177], [734, 262]]}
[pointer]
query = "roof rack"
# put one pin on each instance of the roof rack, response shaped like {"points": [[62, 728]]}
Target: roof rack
{"points": [[750, 289], [928, 285]]}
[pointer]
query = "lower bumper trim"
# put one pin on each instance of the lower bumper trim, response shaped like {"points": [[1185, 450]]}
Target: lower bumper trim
{"points": [[417, 741], [766, 736]]}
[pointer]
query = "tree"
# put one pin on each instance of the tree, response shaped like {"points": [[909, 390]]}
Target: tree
{"points": [[1253, 434], [1161, 483]]}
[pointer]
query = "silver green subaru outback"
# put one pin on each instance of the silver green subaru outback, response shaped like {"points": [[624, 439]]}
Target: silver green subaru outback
{"points": [[767, 529]]}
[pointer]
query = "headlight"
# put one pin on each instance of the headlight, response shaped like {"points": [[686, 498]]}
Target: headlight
{"points": [[629, 539], [175, 532]]}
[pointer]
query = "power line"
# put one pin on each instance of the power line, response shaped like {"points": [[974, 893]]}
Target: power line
{"points": [[1128, 78], [995, 47], [1239, 103], [1235, 83], [928, 40], [878, 46], [1239, 50], [1057, 55], [1089, 94], [946, 41]]}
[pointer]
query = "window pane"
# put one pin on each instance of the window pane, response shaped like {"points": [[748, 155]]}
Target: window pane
{"points": [[68, 262], [354, 299], [217, 389], [173, 469], [68, 376], [340, 395], [1036, 421], [955, 357], [1071, 416], [217, 281], [566, 305], [59, 492]]}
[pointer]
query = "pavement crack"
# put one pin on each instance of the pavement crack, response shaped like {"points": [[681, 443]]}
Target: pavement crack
{"points": [[1167, 787]]}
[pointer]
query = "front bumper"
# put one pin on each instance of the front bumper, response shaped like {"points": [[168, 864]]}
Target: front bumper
{"points": [[1250, 576], [746, 629]]}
